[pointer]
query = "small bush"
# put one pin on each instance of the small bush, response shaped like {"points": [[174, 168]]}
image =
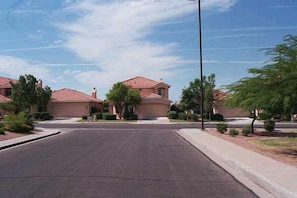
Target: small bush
{"points": [[84, 117], [193, 116], [98, 115], [233, 132], [182, 116], [111, 117], [246, 130], [36, 115], [172, 115], [130, 116], [104, 115], [2, 131], [45, 116], [18, 123], [217, 117], [269, 125], [222, 127]]}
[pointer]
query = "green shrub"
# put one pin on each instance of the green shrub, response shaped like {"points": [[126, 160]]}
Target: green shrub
{"points": [[269, 125], [84, 117], [222, 127], [233, 132], [111, 117], [36, 115], [18, 123], [104, 115], [172, 115], [45, 116], [2, 131], [182, 116], [193, 116], [130, 116], [246, 130], [98, 115], [217, 117], [2, 125]]}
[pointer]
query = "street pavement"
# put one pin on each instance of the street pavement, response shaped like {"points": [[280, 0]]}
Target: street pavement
{"points": [[264, 176]]}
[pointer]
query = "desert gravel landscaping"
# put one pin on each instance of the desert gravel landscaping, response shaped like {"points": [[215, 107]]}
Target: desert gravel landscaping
{"points": [[280, 145]]}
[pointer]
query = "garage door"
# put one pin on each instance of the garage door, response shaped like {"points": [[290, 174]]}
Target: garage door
{"points": [[70, 110]]}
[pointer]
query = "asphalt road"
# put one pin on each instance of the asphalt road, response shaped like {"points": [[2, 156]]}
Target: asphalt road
{"points": [[126, 162]]}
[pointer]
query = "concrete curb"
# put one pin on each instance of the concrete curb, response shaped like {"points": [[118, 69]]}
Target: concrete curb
{"points": [[24, 140], [253, 179]]}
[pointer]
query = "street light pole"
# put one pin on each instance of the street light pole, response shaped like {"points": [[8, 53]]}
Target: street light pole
{"points": [[201, 66]]}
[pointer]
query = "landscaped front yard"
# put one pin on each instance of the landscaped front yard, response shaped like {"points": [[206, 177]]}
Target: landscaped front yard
{"points": [[280, 145]]}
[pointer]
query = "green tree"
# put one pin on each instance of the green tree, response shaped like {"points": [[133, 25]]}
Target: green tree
{"points": [[25, 93], [191, 96], [273, 87], [122, 97], [209, 97], [43, 97]]}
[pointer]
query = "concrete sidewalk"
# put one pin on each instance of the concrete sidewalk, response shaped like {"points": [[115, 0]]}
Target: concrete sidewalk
{"points": [[28, 138], [263, 175]]}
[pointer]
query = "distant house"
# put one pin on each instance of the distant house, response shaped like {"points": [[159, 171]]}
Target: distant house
{"points": [[220, 107], [71, 103], [5, 91], [154, 97]]}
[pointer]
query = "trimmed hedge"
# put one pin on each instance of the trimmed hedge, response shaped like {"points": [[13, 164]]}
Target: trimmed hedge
{"points": [[172, 115], [98, 115], [217, 117], [130, 116], [182, 116], [107, 116], [42, 116]]}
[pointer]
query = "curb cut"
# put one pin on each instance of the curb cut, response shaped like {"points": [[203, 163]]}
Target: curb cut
{"points": [[29, 140]]}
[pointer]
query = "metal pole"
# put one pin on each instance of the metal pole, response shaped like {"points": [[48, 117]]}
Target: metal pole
{"points": [[201, 68]]}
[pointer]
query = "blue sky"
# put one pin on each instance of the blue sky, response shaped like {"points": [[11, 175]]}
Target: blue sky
{"points": [[81, 44]]}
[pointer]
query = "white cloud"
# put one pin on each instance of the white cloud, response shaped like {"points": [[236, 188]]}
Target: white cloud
{"points": [[13, 67], [114, 34]]}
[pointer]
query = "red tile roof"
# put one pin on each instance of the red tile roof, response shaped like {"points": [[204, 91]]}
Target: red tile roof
{"points": [[142, 82], [219, 95], [69, 95], [5, 82], [4, 99]]}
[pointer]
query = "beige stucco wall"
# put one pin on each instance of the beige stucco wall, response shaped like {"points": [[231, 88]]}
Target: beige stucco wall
{"points": [[220, 108]]}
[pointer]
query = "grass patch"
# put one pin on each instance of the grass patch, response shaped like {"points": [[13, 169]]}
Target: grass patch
{"points": [[277, 142]]}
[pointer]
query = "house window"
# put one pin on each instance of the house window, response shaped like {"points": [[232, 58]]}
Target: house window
{"points": [[8, 92], [161, 91]]}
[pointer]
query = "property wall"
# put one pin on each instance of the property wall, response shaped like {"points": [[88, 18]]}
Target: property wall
{"points": [[220, 108]]}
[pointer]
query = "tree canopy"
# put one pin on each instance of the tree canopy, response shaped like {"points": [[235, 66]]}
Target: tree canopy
{"points": [[122, 97], [191, 96], [272, 88], [26, 93]]}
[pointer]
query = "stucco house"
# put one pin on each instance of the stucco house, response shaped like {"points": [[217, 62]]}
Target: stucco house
{"points": [[219, 106], [72, 103], [154, 97], [5, 91]]}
